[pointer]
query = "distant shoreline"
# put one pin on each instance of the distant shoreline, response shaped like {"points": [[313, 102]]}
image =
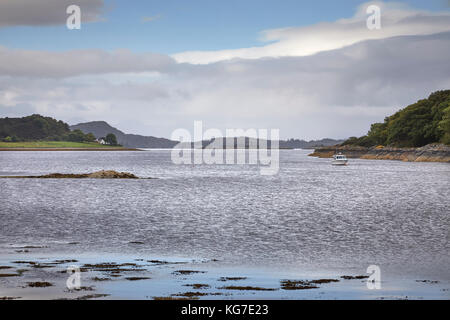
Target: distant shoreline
{"points": [[428, 153], [69, 149]]}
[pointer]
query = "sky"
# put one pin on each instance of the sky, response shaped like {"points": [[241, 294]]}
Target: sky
{"points": [[309, 68]]}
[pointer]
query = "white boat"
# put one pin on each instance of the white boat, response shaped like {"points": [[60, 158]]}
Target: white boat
{"points": [[339, 160]]}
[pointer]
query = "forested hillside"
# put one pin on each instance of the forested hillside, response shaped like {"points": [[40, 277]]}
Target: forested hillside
{"points": [[37, 127], [424, 122]]}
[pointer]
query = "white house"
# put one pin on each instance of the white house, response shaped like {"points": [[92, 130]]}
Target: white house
{"points": [[101, 141]]}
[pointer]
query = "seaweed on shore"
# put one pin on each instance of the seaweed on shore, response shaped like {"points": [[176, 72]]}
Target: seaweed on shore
{"points": [[107, 265], [354, 277], [92, 296], [249, 288], [39, 284], [297, 285], [162, 262], [174, 298], [7, 275], [428, 281], [137, 278], [232, 278], [24, 262], [101, 279], [190, 294], [198, 285], [187, 272], [83, 289], [321, 281], [64, 261], [113, 267], [33, 247]]}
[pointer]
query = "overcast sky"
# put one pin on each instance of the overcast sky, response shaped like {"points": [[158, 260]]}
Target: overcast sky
{"points": [[309, 68]]}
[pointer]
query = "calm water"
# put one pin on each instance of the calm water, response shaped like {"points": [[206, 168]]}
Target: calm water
{"points": [[311, 215]]}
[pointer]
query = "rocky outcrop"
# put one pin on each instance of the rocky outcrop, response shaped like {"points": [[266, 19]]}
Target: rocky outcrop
{"points": [[103, 174], [428, 153]]}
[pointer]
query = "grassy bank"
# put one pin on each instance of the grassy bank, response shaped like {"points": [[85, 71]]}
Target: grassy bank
{"points": [[55, 144]]}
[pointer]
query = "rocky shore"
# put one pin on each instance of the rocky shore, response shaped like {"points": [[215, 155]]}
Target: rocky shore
{"points": [[428, 153]]}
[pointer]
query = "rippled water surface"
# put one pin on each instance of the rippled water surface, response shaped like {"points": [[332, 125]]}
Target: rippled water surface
{"points": [[311, 215]]}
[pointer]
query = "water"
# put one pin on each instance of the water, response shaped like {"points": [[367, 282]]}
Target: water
{"points": [[311, 216]]}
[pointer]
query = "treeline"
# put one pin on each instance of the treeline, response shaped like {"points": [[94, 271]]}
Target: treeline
{"points": [[424, 122], [37, 127]]}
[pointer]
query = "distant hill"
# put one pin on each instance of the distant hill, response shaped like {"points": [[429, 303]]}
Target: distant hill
{"points": [[101, 129], [302, 144], [424, 122], [283, 144]]}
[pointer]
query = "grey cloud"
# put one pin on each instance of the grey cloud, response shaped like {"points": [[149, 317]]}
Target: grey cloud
{"points": [[331, 94], [14, 62], [349, 76], [18, 110], [46, 12]]}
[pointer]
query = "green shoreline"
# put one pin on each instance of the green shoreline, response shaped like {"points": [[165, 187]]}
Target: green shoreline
{"points": [[58, 146], [68, 149]]}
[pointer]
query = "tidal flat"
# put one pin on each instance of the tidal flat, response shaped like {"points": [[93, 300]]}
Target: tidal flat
{"points": [[173, 278]]}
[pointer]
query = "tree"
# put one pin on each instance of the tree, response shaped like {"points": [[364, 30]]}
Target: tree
{"points": [[426, 121], [89, 137], [111, 139], [31, 128], [444, 125], [75, 136]]}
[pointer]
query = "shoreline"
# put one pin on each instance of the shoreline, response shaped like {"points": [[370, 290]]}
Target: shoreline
{"points": [[69, 149], [428, 153], [149, 277]]}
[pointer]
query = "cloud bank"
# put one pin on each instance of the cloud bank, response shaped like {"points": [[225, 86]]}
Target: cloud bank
{"points": [[46, 12], [332, 93], [396, 20]]}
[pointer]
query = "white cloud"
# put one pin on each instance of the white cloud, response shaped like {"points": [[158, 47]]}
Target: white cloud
{"points": [[396, 20]]}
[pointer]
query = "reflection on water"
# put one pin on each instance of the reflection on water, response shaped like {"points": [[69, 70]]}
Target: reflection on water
{"points": [[314, 215]]}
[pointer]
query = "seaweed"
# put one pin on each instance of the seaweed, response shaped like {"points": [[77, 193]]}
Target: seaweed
{"points": [[248, 288], [354, 277], [297, 285], [137, 278], [39, 284], [92, 296], [187, 272], [232, 278], [198, 285]]}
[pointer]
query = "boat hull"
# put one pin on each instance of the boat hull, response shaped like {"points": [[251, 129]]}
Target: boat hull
{"points": [[339, 162]]}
